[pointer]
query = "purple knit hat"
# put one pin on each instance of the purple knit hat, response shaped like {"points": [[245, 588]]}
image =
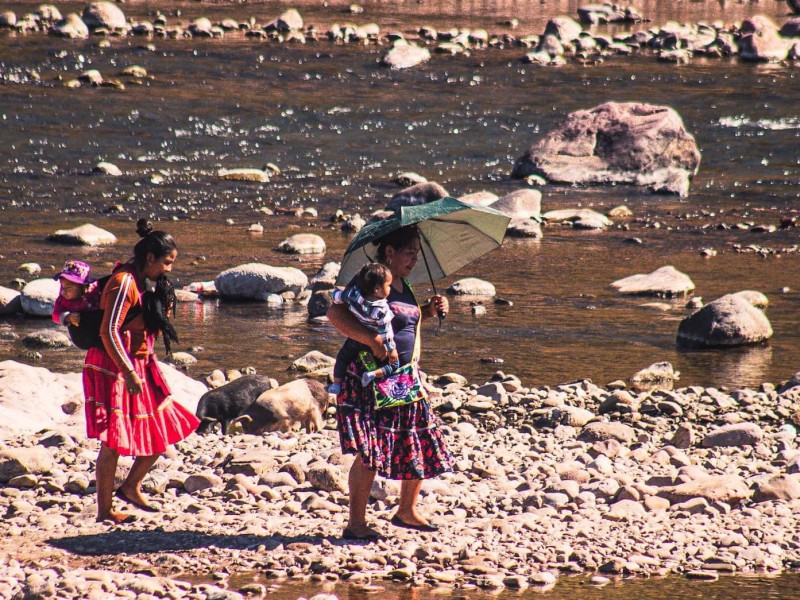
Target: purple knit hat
{"points": [[76, 271]]}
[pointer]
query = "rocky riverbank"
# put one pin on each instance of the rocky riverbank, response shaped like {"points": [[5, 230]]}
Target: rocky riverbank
{"points": [[634, 478]]}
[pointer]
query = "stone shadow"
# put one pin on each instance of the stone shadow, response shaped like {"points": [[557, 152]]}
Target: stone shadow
{"points": [[159, 540]]}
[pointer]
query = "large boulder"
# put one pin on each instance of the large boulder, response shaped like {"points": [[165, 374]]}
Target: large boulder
{"points": [[291, 20], [24, 461], [39, 296], [566, 29], [521, 204], [34, 398], [10, 301], [761, 41], [791, 28], [71, 26], [257, 281], [85, 235], [635, 143], [727, 321], [666, 281], [405, 56], [104, 14], [421, 193]]}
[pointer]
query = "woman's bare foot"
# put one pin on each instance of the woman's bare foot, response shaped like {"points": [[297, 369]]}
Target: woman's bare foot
{"points": [[116, 517], [135, 497], [361, 532]]}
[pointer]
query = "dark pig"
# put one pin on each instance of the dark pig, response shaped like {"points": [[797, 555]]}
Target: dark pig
{"points": [[300, 402], [223, 404]]}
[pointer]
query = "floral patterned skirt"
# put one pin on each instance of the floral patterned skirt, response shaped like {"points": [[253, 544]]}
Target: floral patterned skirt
{"points": [[133, 425], [405, 442]]}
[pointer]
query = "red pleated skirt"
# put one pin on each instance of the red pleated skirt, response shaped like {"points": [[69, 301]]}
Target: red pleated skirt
{"points": [[134, 425]]}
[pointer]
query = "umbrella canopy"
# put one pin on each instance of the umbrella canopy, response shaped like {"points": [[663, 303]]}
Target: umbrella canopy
{"points": [[452, 234]]}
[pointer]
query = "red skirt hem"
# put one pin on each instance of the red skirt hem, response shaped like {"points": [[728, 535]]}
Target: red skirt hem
{"points": [[144, 424]]}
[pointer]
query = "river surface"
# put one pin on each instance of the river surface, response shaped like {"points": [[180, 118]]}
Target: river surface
{"points": [[671, 588], [339, 126]]}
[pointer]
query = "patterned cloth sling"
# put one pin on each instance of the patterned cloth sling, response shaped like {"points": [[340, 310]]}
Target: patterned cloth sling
{"points": [[404, 386]]}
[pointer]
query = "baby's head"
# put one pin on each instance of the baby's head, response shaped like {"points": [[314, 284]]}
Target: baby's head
{"points": [[74, 278], [374, 280]]}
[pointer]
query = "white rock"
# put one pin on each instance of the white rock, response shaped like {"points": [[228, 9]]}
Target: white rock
{"points": [[39, 296], [85, 235]]}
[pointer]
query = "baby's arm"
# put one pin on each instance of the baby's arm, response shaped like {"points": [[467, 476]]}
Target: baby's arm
{"points": [[385, 330]]}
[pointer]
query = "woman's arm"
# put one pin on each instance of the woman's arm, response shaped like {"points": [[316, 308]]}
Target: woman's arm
{"points": [[118, 302], [346, 324]]}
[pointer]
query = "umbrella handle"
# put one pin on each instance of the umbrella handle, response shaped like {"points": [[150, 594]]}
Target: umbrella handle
{"points": [[439, 313]]}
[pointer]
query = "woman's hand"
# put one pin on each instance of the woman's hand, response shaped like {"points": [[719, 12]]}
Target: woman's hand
{"points": [[132, 383], [438, 306]]}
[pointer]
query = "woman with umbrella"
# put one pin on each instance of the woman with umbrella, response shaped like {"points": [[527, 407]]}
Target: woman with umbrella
{"points": [[403, 442]]}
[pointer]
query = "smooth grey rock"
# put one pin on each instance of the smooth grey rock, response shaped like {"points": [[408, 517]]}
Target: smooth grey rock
{"points": [[482, 198], [472, 286], [421, 193], [521, 204], [104, 14], [47, 338], [791, 28], [665, 281], [257, 281], [71, 26], [290, 20], [408, 179], [202, 481], [10, 301], [731, 489], [303, 243], [760, 40], [633, 143], [784, 488], [734, 434], [727, 321], [8, 18], [85, 235], [406, 56], [313, 362], [39, 296], [580, 218], [106, 168], [566, 29], [24, 461], [606, 430]]}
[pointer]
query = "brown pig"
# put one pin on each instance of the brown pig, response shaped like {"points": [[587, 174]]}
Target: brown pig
{"points": [[300, 402]]}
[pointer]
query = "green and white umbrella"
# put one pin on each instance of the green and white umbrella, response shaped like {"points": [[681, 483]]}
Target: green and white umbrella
{"points": [[452, 234]]}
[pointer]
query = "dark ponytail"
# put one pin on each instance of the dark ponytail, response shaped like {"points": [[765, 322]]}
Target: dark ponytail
{"points": [[157, 243], [158, 302]]}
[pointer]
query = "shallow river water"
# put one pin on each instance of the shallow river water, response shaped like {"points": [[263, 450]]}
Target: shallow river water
{"points": [[339, 126]]}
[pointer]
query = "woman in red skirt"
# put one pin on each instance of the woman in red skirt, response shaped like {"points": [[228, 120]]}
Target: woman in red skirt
{"points": [[128, 404]]}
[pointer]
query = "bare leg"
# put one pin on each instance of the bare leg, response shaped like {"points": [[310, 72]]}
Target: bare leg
{"points": [[360, 483], [407, 510], [104, 472], [132, 486]]}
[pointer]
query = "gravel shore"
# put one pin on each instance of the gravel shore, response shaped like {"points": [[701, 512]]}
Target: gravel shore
{"points": [[576, 478]]}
